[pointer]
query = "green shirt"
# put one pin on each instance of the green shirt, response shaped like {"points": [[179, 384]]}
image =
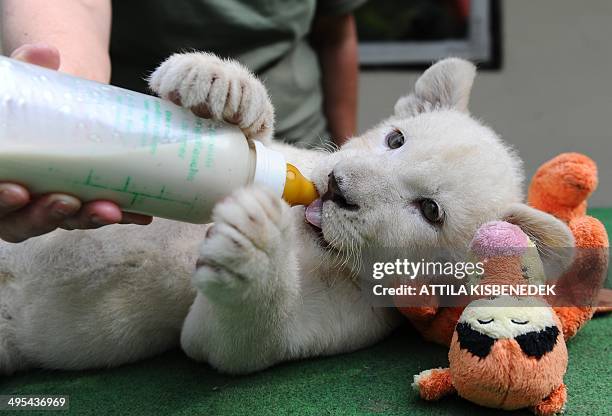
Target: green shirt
{"points": [[268, 36]]}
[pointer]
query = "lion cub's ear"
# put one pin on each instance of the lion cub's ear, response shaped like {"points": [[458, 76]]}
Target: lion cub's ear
{"points": [[552, 237], [446, 84]]}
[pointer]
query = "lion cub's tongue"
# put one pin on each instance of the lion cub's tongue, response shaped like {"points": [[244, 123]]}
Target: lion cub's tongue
{"points": [[313, 213]]}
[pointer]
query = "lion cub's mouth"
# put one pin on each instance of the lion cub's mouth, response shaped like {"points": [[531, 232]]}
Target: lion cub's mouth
{"points": [[334, 193], [314, 212], [312, 215]]}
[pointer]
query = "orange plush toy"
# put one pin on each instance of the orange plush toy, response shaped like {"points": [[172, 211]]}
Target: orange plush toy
{"points": [[506, 352], [561, 188]]}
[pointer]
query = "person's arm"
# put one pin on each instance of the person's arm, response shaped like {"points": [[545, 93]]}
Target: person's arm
{"points": [[79, 29], [335, 40], [80, 32]]}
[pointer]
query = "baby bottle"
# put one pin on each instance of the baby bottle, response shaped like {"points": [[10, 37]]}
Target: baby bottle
{"points": [[60, 133]]}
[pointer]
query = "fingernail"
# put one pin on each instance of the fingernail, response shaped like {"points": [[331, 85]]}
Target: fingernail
{"points": [[62, 209], [18, 53], [96, 220], [62, 206], [8, 196], [21, 52]]}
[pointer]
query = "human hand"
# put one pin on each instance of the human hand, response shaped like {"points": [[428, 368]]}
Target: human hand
{"points": [[23, 215]]}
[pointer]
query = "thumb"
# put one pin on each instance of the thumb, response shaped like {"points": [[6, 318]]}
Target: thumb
{"points": [[39, 54]]}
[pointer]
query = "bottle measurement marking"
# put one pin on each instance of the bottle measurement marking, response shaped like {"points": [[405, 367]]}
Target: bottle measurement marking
{"points": [[135, 195]]}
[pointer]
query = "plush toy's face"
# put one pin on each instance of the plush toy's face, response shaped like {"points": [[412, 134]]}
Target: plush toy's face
{"points": [[507, 352], [525, 318]]}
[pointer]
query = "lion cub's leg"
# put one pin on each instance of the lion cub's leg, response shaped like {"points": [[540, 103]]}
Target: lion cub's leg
{"points": [[248, 285], [11, 358]]}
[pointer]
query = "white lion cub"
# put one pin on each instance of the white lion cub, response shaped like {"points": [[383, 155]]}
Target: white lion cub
{"points": [[263, 285]]}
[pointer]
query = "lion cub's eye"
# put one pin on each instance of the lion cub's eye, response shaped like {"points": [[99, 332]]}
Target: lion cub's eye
{"points": [[395, 139], [519, 322], [431, 211], [484, 321]]}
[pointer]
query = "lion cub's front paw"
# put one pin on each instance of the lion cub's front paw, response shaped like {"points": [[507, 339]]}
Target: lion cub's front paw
{"points": [[243, 248], [218, 89]]}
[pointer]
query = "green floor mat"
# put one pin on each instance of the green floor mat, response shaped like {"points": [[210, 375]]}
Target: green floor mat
{"points": [[374, 381]]}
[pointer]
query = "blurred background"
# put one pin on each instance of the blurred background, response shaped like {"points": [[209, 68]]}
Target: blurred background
{"points": [[551, 91]]}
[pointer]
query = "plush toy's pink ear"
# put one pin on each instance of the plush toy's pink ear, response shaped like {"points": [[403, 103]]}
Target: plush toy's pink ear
{"points": [[499, 238]]}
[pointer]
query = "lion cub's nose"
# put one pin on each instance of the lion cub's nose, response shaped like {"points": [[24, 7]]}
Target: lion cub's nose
{"points": [[336, 194]]}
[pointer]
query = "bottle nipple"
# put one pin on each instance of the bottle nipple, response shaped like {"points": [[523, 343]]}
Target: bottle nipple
{"points": [[298, 190]]}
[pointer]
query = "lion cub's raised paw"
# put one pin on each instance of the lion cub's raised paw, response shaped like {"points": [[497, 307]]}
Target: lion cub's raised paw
{"points": [[217, 89], [244, 246]]}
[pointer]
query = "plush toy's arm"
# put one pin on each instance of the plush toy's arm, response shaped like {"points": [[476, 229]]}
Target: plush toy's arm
{"points": [[562, 186], [419, 316], [572, 318], [553, 404], [434, 384], [434, 323], [421, 313], [577, 289]]}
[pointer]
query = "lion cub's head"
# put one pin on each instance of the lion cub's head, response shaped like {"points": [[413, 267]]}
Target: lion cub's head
{"points": [[428, 176]]}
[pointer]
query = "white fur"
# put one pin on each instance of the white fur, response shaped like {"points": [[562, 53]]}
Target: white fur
{"points": [[215, 88], [265, 289]]}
